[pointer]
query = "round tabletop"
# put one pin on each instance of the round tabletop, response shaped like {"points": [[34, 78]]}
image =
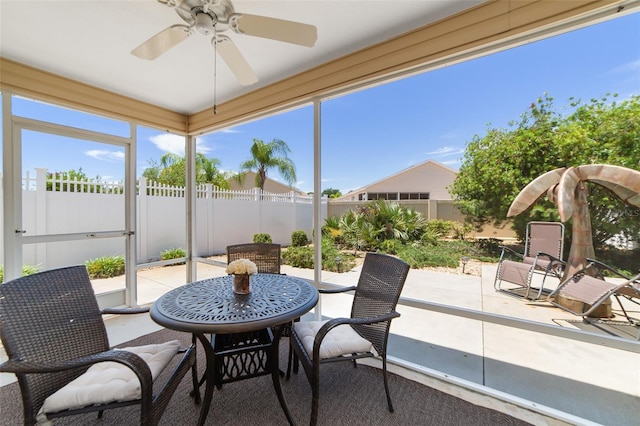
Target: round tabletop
{"points": [[211, 306]]}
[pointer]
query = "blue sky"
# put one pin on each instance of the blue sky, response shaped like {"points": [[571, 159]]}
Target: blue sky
{"points": [[371, 134]]}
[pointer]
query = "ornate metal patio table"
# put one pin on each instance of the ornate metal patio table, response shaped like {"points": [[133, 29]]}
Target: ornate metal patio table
{"points": [[244, 337]]}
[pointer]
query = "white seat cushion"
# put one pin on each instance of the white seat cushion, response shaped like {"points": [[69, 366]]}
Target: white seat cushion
{"points": [[109, 381], [341, 340]]}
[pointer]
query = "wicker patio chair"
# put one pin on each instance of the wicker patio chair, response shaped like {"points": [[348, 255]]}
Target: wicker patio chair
{"points": [[542, 255], [587, 290], [266, 256], [56, 341], [364, 334]]}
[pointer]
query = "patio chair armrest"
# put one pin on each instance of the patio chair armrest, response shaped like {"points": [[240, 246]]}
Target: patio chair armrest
{"points": [[604, 267], [509, 251], [129, 359], [124, 311], [554, 262], [336, 290]]}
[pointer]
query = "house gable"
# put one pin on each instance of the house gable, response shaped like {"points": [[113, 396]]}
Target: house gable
{"points": [[429, 179]]}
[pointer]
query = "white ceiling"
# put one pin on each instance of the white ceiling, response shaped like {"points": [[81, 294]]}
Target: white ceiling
{"points": [[91, 40]]}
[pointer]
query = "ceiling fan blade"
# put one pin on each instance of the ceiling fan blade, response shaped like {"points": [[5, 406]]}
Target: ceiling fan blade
{"points": [[275, 29], [161, 42], [235, 61]]}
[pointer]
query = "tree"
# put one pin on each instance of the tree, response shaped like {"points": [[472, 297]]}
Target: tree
{"points": [[332, 193], [497, 166], [171, 170], [265, 156]]}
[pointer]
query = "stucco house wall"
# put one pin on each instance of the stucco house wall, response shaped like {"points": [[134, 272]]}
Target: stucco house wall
{"points": [[427, 177]]}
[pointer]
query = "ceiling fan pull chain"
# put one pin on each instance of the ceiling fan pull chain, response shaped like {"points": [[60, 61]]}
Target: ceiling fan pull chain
{"points": [[215, 69]]}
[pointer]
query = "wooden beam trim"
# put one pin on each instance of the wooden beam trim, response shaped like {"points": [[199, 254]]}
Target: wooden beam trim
{"points": [[34, 83]]}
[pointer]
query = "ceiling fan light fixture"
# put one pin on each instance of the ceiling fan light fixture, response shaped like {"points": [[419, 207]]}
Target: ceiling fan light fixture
{"points": [[204, 23]]}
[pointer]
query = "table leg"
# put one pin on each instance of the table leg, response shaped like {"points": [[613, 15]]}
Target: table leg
{"points": [[274, 366], [195, 393], [209, 378]]}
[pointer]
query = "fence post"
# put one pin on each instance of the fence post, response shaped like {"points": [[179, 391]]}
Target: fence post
{"points": [[295, 210], [41, 214], [143, 224]]}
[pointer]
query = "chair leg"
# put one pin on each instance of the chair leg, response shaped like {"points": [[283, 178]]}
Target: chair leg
{"points": [[315, 396], [292, 363], [386, 383]]}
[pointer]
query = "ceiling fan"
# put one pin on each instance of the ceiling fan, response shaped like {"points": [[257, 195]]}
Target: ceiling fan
{"points": [[213, 17]]}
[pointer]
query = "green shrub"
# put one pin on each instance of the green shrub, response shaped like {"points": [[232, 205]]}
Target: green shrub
{"points": [[390, 246], [262, 238], [335, 260], [299, 238], [332, 258], [173, 253], [439, 228], [418, 256], [26, 270], [105, 267], [461, 230], [299, 257]]}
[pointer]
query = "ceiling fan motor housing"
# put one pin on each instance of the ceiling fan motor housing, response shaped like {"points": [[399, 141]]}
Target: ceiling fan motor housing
{"points": [[204, 23]]}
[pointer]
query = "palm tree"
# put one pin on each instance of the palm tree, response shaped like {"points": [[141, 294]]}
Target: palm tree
{"points": [[566, 187], [265, 156]]}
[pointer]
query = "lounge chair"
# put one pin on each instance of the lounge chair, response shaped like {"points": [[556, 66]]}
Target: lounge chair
{"points": [[542, 255], [587, 290]]}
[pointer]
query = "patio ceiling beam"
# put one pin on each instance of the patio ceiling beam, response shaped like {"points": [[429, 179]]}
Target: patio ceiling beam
{"points": [[478, 31], [31, 82]]}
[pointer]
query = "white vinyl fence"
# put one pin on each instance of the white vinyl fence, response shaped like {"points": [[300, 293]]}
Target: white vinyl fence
{"points": [[222, 218]]}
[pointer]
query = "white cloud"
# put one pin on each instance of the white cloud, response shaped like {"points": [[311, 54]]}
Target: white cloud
{"points": [[104, 155], [446, 151], [169, 143], [174, 144], [629, 67]]}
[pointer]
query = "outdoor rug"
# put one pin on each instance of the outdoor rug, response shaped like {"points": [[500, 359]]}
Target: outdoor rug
{"points": [[347, 397]]}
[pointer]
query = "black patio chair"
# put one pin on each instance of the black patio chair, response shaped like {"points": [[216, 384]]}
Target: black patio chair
{"points": [[364, 334], [266, 256], [54, 335]]}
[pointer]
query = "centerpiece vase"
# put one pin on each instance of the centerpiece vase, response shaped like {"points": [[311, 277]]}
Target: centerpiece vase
{"points": [[241, 283]]}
